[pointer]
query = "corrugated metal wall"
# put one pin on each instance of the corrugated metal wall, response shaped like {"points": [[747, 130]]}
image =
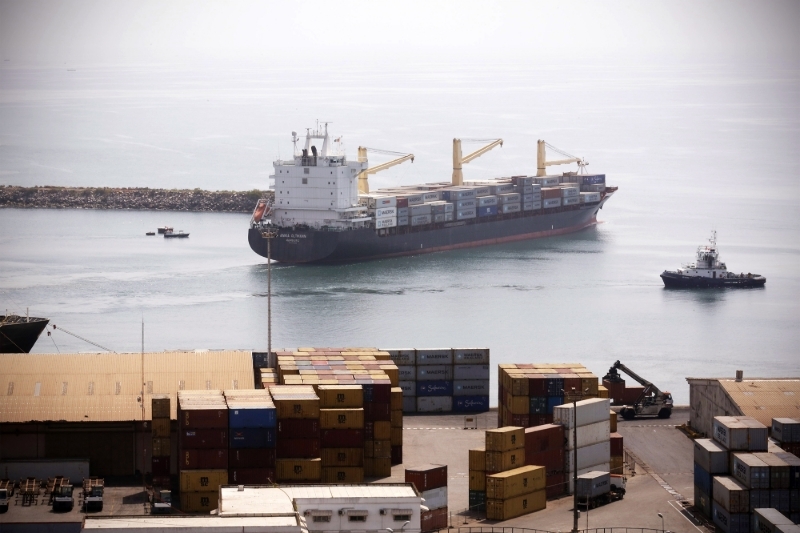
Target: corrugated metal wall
{"points": [[110, 453]]}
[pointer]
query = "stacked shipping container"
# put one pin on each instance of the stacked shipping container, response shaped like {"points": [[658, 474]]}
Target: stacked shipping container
{"points": [[396, 404], [515, 492], [342, 422], [251, 437], [786, 431], [591, 418], [528, 393], [431, 482], [443, 380], [544, 446], [202, 448], [162, 442], [298, 433]]}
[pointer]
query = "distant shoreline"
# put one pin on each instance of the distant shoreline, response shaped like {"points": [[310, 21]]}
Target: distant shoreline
{"points": [[137, 198]]}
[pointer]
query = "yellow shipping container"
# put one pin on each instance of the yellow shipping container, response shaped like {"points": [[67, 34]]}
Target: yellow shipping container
{"points": [[199, 502], [602, 392], [517, 506], [393, 372], [343, 474], [369, 449], [297, 408], [589, 382], [612, 418], [477, 460], [340, 396], [382, 449], [516, 482], [202, 480], [162, 447], [503, 461], [518, 385], [341, 418], [477, 480], [378, 467], [161, 427], [342, 457], [520, 405], [505, 439], [397, 399], [397, 418], [160, 406], [397, 437], [617, 465], [382, 430], [298, 469]]}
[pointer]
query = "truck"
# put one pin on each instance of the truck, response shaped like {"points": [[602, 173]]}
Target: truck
{"points": [[599, 488], [161, 502], [62, 498], [3, 500], [93, 488], [651, 402]]}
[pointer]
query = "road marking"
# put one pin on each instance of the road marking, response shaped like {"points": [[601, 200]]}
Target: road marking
{"points": [[683, 513]]}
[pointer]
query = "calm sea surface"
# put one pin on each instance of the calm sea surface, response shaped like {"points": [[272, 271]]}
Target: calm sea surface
{"points": [[691, 148]]}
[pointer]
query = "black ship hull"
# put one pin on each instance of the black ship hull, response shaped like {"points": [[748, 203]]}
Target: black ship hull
{"points": [[680, 281], [295, 246], [18, 334]]}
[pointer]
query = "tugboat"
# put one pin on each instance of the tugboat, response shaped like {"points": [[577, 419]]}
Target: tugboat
{"points": [[709, 271]]}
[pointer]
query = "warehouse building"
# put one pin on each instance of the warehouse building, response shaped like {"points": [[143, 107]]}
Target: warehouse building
{"points": [[89, 406], [760, 398]]}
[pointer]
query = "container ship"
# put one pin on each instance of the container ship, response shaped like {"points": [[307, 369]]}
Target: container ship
{"points": [[322, 210], [18, 334]]}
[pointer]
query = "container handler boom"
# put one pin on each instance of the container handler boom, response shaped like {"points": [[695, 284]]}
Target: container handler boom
{"points": [[459, 160], [363, 176], [651, 402]]}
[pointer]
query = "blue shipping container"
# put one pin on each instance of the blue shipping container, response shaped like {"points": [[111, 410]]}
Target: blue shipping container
{"points": [[702, 479], [252, 438], [596, 179], [470, 404], [552, 402], [434, 388], [477, 500], [369, 392], [538, 405], [487, 210], [251, 418], [555, 386]]}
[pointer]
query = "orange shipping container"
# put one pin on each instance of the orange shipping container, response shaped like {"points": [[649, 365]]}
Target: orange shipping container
{"points": [[343, 474], [340, 396], [505, 439], [397, 399], [503, 461], [517, 506], [477, 460], [516, 482], [298, 469], [477, 480], [382, 430], [161, 427], [378, 467], [160, 406], [162, 447], [341, 418], [203, 480], [342, 457], [199, 502], [397, 418]]}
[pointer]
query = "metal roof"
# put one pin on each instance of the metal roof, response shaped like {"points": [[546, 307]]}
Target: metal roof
{"points": [[765, 399], [267, 524], [254, 501], [104, 387]]}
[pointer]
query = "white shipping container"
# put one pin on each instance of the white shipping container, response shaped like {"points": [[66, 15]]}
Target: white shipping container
{"points": [[501, 188], [432, 196], [402, 357], [421, 220], [433, 404], [590, 411], [786, 429], [409, 404], [439, 218], [471, 387], [550, 203], [416, 199], [590, 197], [482, 191], [383, 223], [402, 212], [588, 455], [448, 217], [532, 206], [402, 221], [438, 207], [602, 467], [589, 434], [465, 214], [571, 201], [409, 387], [406, 372], [466, 204], [471, 356], [731, 495], [740, 433], [471, 372], [435, 373], [570, 191], [546, 181], [772, 521], [485, 201], [509, 198], [422, 209], [527, 198], [537, 188], [711, 456], [385, 212], [434, 356], [527, 189], [435, 498], [376, 202], [750, 470], [511, 208]]}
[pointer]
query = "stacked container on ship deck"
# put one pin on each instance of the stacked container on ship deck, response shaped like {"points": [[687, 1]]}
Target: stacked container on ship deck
{"points": [[544, 446], [396, 403], [431, 482], [202, 448], [590, 417], [162, 441], [342, 420], [298, 451], [515, 492], [251, 437]]}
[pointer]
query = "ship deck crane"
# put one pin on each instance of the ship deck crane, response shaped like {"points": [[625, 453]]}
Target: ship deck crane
{"points": [[460, 160], [542, 162], [651, 402], [363, 176]]}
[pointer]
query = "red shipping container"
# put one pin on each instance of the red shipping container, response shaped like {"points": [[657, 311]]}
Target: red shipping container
{"points": [[203, 419], [402, 202], [160, 466], [433, 520], [551, 460], [203, 438], [397, 455], [551, 192], [616, 445], [251, 476], [369, 430], [377, 412], [521, 420], [616, 390], [342, 438], [297, 448], [203, 459], [631, 395], [251, 458], [537, 385], [572, 381], [427, 477], [543, 438], [555, 485], [381, 393], [540, 420], [298, 428]]}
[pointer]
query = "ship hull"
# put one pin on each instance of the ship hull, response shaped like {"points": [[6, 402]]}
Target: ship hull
{"points": [[20, 336], [295, 246], [679, 281]]}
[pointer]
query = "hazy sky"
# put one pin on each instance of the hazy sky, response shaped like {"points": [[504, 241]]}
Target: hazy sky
{"points": [[114, 32]]}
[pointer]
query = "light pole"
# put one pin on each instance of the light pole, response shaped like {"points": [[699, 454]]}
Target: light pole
{"points": [[269, 235], [575, 512], [661, 516]]}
